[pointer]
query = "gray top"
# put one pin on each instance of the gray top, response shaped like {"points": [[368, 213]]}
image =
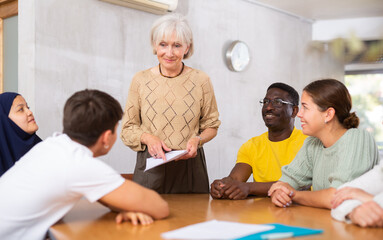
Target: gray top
{"points": [[352, 155]]}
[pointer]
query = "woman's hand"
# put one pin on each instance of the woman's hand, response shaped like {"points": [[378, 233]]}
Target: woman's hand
{"points": [[191, 148], [155, 145], [134, 217], [350, 193], [281, 194], [369, 214]]}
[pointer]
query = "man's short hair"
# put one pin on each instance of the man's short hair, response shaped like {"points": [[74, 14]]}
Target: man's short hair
{"points": [[294, 96], [89, 113]]}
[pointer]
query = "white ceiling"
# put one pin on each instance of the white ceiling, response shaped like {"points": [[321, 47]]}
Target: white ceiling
{"points": [[328, 9]]}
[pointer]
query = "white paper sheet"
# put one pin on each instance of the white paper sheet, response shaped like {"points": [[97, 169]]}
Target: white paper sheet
{"points": [[170, 156], [216, 230]]}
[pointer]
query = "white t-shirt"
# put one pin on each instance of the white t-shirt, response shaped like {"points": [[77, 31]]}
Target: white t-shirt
{"points": [[46, 183]]}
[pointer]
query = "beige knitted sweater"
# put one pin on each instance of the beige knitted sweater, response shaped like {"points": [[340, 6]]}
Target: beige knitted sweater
{"points": [[173, 109]]}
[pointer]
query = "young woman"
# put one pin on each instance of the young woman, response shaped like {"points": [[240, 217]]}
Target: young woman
{"points": [[361, 200], [17, 129], [336, 151]]}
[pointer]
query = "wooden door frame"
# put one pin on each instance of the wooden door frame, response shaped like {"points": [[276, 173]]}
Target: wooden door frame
{"points": [[8, 8]]}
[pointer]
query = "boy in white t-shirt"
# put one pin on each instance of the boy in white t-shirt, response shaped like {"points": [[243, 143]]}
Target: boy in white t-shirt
{"points": [[47, 182]]}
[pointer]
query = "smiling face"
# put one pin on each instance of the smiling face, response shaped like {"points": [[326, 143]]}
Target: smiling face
{"points": [[277, 118], [312, 120], [22, 116], [170, 53]]}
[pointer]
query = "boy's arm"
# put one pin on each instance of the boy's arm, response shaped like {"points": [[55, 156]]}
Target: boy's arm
{"points": [[260, 188], [132, 197], [241, 172]]}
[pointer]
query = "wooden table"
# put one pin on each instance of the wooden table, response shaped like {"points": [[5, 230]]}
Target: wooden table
{"points": [[94, 221]]}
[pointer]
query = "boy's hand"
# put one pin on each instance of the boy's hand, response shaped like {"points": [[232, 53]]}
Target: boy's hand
{"points": [[134, 217]]}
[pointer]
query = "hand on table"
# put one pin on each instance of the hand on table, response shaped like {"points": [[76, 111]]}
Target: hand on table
{"points": [[233, 189], [216, 188], [369, 214], [350, 193], [134, 217], [281, 194], [229, 188], [155, 145]]}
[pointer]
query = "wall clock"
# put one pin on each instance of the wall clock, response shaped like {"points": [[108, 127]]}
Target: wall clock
{"points": [[237, 56]]}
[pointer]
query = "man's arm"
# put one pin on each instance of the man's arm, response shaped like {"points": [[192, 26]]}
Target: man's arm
{"points": [[241, 172], [235, 186], [260, 188], [132, 197]]}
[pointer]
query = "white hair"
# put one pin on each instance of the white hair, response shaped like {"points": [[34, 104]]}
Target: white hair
{"points": [[164, 27]]}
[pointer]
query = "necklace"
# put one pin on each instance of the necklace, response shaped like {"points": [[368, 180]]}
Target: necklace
{"points": [[182, 69]]}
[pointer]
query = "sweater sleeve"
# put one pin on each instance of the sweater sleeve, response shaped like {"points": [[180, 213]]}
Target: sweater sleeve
{"points": [[359, 156], [299, 172], [348, 206], [371, 182], [344, 209], [131, 122], [209, 110]]}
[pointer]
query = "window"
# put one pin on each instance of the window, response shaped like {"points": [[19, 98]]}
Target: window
{"points": [[367, 98], [8, 46]]}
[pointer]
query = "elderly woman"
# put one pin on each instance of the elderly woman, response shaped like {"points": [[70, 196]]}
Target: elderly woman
{"points": [[171, 107], [17, 129]]}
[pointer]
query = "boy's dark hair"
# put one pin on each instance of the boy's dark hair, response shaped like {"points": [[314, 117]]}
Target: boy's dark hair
{"points": [[89, 113], [294, 96]]}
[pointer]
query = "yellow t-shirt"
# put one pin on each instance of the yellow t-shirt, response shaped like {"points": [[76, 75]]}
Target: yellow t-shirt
{"points": [[267, 158]]}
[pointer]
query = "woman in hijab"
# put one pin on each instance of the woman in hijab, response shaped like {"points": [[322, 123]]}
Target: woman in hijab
{"points": [[17, 129]]}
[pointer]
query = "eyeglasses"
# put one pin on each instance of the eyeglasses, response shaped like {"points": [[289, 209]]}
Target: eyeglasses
{"points": [[277, 103]]}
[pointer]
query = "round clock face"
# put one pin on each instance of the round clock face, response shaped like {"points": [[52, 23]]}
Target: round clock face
{"points": [[237, 56]]}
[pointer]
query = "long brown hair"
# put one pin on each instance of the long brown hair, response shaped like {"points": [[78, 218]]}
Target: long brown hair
{"points": [[328, 93]]}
